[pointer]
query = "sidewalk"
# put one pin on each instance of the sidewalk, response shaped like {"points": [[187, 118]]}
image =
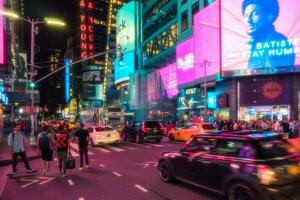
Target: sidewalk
{"points": [[5, 155]]}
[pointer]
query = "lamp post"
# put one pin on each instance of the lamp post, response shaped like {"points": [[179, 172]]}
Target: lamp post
{"points": [[33, 23]]}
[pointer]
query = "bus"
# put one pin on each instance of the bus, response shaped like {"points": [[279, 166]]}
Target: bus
{"points": [[114, 117]]}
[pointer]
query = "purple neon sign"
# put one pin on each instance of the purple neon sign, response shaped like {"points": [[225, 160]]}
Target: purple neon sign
{"points": [[169, 79], [1, 35]]}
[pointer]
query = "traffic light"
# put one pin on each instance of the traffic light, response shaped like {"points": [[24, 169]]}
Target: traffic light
{"points": [[32, 85]]}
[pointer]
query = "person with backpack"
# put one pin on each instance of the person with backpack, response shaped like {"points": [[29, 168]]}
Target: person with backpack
{"points": [[62, 146], [16, 140], [45, 146], [83, 137]]}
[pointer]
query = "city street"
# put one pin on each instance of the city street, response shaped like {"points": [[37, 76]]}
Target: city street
{"points": [[127, 171]]}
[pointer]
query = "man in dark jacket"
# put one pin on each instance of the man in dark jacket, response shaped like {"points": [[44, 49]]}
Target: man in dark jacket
{"points": [[83, 136]]}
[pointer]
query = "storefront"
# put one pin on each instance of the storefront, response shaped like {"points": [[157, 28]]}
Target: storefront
{"points": [[265, 98]]}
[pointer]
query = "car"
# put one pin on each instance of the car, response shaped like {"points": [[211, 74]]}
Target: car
{"points": [[186, 131], [103, 135], [144, 131], [238, 165]]}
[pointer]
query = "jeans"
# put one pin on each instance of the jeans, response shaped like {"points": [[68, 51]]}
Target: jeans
{"points": [[62, 159], [24, 158], [83, 151]]}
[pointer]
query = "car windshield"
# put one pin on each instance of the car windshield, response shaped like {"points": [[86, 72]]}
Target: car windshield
{"points": [[274, 149], [98, 129], [208, 127]]}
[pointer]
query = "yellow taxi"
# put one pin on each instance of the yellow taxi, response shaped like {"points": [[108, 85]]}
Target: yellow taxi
{"points": [[188, 130]]}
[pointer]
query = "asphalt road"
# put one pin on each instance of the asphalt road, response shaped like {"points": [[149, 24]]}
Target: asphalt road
{"points": [[127, 171]]}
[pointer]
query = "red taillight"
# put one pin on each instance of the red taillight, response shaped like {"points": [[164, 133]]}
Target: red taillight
{"points": [[266, 175], [162, 129]]}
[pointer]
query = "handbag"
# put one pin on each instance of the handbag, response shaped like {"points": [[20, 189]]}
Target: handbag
{"points": [[71, 163]]}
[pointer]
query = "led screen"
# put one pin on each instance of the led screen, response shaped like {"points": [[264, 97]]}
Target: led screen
{"points": [[92, 92], [1, 35], [124, 68], [67, 80], [91, 76], [260, 37], [169, 78]]}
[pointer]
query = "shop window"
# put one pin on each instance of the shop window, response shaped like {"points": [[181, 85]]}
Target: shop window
{"points": [[184, 21]]}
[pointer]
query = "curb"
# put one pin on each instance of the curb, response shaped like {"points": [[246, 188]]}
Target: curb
{"points": [[3, 180], [8, 162]]}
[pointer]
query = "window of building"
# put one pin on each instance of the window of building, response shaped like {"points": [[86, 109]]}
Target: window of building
{"points": [[184, 21], [182, 2], [195, 9]]}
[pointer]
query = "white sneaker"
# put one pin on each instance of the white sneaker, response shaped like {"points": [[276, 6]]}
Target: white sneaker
{"points": [[80, 168], [87, 167]]}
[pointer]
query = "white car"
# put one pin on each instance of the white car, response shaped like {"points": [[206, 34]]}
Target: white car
{"points": [[103, 135]]}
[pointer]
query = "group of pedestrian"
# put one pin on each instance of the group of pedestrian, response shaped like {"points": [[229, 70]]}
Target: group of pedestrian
{"points": [[54, 139]]}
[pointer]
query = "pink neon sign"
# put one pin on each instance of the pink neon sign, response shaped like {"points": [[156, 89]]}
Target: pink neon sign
{"points": [[169, 79], [1, 35], [203, 46]]}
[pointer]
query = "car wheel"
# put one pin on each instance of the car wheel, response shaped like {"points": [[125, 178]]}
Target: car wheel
{"points": [[240, 191], [171, 137], [165, 173]]}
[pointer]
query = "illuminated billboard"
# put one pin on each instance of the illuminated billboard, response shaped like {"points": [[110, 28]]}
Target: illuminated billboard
{"points": [[124, 68], [260, 37], [126, 24], [92, 92], [199, 56], [67, 81], [2, 56], [169, 79]]}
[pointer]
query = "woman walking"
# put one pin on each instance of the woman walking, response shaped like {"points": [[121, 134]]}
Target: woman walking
{"points": [[45, 146]]}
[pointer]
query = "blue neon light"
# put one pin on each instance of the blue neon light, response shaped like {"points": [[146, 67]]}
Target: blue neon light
{"points": [[67, 80], [124, 68]]}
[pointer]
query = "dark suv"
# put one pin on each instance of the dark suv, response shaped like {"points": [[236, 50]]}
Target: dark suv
{"points": [[141, 131], [238, 165]]}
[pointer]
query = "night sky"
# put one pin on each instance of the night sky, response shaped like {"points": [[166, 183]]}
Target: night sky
{"points": [[49, 37]]}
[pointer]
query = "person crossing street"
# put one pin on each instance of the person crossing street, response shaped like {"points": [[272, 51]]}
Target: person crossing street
{"points": [[83, 140]]}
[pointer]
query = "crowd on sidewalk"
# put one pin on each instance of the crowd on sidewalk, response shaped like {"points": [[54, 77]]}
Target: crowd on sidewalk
{"points": [[289, 127], [54, 140]]}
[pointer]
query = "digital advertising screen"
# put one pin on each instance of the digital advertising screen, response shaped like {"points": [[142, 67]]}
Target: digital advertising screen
{"points": [[91, 76], [2, 56], [92, 92], [124, 68], [260, 37]]}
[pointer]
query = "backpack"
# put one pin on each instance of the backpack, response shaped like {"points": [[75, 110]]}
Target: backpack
{"points": [[44, 142], [61, 140]]}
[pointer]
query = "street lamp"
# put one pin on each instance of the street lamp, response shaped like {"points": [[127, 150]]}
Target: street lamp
{"points": [[33, 23]]}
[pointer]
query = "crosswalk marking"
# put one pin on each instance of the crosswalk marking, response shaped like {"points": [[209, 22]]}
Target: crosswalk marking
{"points": [[117, 149], [73, 145], [103, 150], [156, 145]]}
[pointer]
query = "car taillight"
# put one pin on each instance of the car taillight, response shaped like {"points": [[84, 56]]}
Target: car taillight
{"points": [[162, 129], [266, 175]]}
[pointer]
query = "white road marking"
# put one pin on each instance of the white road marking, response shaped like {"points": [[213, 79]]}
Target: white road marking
{"points": [[46, 181], [71, 183], [117, 149], [75, 146], [117, 174], [32, 181], [55, 159], [141, 188], [92, 160], [156, 145], [101, 165], [103, 150], [80, 198]]}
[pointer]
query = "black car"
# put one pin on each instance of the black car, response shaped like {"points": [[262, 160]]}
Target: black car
{"points": [[238, 165], [142, 131]]}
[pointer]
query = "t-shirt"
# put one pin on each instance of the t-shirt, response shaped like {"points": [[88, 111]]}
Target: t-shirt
{"points": [[61, 141], [16, 141], [82, 135]]}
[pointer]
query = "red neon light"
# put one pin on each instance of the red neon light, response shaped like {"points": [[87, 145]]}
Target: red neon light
{"points": [[82, 3], [82, 18], [83, 27], [91, 38], [91, 29], [91, 20], [83, 45], [83, 36], [91, 46], [90, 5], [84, 54]]}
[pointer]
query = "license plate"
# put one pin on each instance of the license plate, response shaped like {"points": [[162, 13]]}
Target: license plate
{"points": [[155, 130], [293, 170]]}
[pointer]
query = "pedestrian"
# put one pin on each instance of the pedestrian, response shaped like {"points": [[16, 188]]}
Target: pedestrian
{"points": [[45, 146], [62, 146], [16, 140], [83, 137]]}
